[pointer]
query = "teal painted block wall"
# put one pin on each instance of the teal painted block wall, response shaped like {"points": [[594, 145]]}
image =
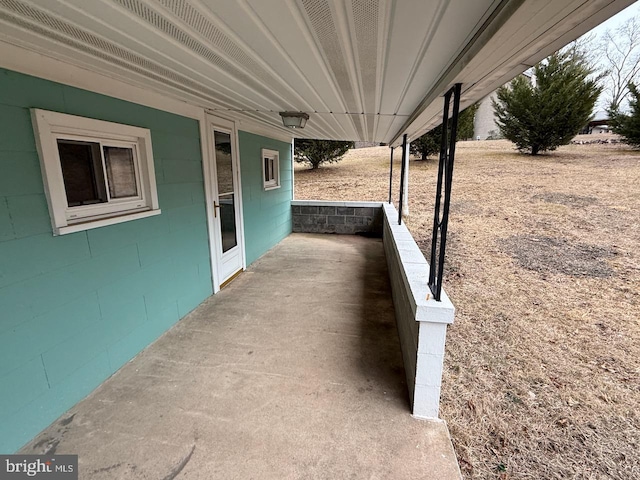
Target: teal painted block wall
{"points": [[75, 308], [267, 214]]}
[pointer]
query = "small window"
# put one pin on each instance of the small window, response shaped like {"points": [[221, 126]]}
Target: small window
{"points": [[270, 169], [96, 173]]}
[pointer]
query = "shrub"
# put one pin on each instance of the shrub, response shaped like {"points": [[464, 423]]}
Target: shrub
{"points": [[317, 152]]}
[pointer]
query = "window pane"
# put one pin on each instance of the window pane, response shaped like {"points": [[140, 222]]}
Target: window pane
{"points": [[121, 172], [224, 167], [82, 172], [228, 222], [267, 169]]}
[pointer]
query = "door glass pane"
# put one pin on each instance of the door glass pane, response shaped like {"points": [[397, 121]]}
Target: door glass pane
{"points": [[228, 222], [82, 172], [226, 198], [224, 167], [121, 172]]}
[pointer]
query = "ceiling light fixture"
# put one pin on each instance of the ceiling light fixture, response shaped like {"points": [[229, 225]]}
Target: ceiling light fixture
{"points": [[294, 119]]}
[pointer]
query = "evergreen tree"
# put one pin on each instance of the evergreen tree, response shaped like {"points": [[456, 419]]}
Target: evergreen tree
{"points": [[628, 125], [465, 122], [541, 117], [317, 152], [429, 143]]}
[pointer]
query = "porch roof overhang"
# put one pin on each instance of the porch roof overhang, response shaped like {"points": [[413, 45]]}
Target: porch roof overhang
{"points": [[368, 70]]}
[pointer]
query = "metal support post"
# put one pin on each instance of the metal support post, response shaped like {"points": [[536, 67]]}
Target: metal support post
{"points": [[405, 194], [445, 177], [390, 174], [402, 169]]}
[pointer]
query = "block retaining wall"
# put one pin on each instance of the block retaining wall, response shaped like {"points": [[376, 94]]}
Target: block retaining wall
{"points": [[350, 218]]}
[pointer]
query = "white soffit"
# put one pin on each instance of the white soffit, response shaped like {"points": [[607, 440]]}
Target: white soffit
{"points": [[363, 69]]}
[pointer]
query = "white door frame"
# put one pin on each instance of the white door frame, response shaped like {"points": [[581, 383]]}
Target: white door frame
{"points": [[211, 191]]}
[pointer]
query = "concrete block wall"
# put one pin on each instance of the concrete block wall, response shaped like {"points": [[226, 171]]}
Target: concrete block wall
{"points": [[422, 321], [74, 308], [267, 213], [351, 218]]}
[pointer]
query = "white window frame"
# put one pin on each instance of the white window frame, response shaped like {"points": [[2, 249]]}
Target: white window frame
{"points": [[274, 157], [49, 127]]}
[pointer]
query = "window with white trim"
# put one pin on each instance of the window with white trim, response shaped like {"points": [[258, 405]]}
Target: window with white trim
{"points": [[96, 173], [270, 169]]}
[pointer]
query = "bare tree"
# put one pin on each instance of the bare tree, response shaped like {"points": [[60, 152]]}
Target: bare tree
{"points": [[587, 47], [619, 51]]}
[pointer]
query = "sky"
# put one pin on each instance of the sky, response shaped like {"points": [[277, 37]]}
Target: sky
{"points": [[618, 19], [612, 24]]}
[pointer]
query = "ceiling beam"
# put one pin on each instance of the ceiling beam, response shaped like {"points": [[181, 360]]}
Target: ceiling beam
{"points": [[496, 20]]}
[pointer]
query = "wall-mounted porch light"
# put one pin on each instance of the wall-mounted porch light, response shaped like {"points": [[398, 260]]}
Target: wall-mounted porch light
{"points": [[294, 119]]}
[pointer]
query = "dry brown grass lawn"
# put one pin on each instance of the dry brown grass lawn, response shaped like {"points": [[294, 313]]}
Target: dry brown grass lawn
{"points": [[542, 368]]}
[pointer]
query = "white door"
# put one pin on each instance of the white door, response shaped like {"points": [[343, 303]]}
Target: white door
{"points": [[227, 208]]}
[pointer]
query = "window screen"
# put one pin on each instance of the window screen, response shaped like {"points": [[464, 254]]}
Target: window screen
{"points": [[121, 172]]}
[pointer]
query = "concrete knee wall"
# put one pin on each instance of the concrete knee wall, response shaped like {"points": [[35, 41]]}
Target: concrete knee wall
{"points": [[422, 321]]}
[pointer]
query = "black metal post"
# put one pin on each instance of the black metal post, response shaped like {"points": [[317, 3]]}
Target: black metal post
{"points": [[445, 175], [402, 169], [390, 174]]}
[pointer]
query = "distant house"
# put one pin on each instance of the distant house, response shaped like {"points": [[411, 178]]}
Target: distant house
{"points": [[484, 123], [599, 123]]}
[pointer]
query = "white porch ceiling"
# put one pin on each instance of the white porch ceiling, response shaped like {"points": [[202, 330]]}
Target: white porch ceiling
{"points": [[366, 70]]}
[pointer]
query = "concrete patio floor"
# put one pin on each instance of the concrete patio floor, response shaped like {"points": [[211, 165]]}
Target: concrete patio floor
{"points": [[293, 371]]}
